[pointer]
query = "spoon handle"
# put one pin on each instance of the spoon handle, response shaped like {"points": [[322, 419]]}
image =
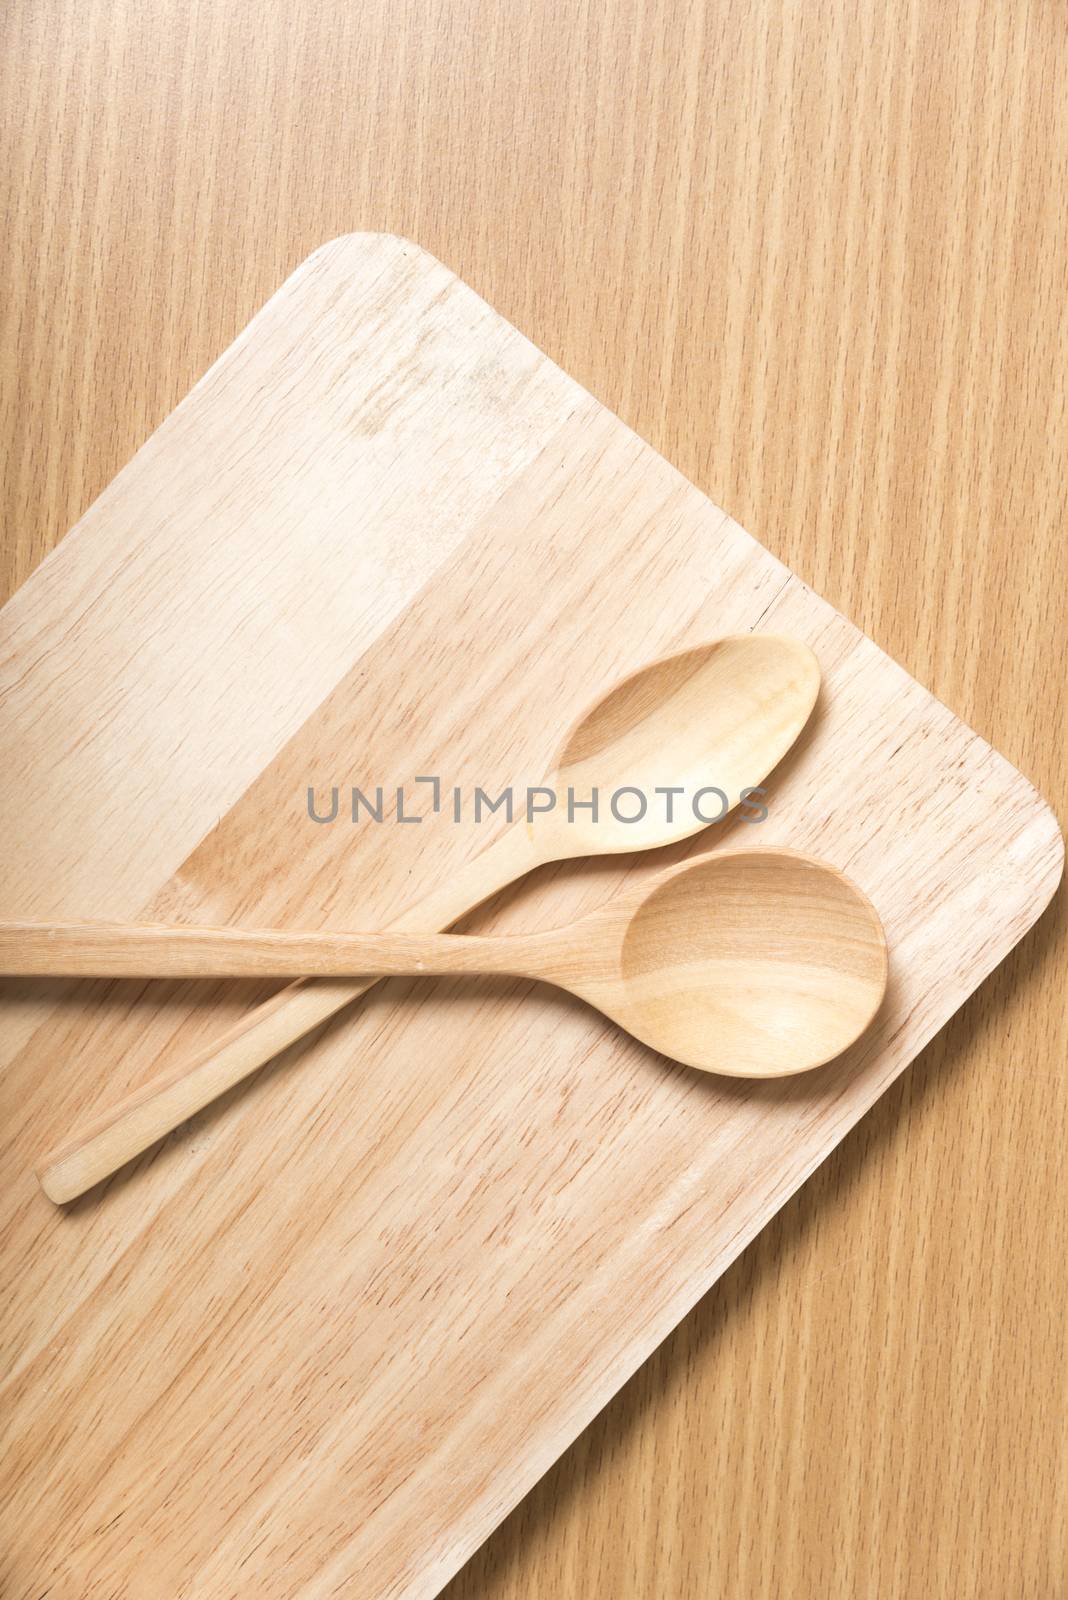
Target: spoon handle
{"points": [[164, 950], [137, 1121]]}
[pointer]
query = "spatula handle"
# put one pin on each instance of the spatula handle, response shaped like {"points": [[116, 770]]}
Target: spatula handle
{"points": [[163, 1104]]}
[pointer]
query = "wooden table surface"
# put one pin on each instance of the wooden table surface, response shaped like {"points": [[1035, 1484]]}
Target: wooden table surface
{"points": [[816, 254]]}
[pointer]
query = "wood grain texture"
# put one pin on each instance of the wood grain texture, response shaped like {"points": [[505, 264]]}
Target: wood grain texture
{"points": [[384, 1290], [816, 257]]}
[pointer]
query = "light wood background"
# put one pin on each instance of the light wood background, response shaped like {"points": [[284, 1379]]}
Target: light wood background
{"points": [[816, 254]]}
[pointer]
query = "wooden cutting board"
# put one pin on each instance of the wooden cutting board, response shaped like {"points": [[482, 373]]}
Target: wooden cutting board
{"points": [[324, 1339]]}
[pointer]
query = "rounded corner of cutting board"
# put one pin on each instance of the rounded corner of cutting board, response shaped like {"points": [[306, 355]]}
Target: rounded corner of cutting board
{"points": [[1045, 835], [365, 243], [1055, 873]]}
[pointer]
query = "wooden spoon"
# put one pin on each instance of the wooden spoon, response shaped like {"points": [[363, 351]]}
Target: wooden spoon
{"points": [[722, 714], [752, 963]]}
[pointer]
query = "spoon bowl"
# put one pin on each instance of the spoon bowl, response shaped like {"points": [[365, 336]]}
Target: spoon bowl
{"points": [[674, 746], [753, 964]]}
